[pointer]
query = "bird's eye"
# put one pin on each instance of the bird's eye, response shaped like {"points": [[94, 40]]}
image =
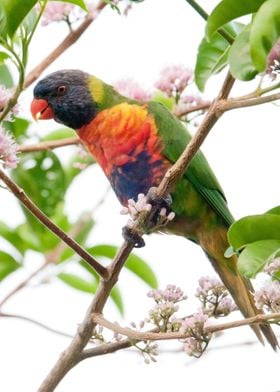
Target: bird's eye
{"points": [[61, 90]]}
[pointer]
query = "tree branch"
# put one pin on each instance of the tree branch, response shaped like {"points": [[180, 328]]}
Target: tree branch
{"points": [[195, 108], [28, 203], [48, 145], [225, 105], [68, 41], [155, 335], [108, 348], [72, 355]]}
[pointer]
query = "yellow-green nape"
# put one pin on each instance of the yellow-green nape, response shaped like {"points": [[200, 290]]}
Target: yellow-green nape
{"points": [[96, 88]]}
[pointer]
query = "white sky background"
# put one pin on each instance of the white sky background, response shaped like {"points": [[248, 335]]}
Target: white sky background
{"points": [[243, 150]]}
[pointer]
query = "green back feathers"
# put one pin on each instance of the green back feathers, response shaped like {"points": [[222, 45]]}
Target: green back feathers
{"points": [[175, 138]]}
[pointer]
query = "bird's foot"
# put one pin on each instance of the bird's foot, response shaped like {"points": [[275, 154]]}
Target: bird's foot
{"points": [[161, 209], [132, 237], [150, 212]]}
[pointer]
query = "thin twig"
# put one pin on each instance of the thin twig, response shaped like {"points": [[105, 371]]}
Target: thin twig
{"points": [[226, 105], [24, 283], [37, 323], [28, 203], [48, 145], [155, 335], [195, 108], [68, 41]]}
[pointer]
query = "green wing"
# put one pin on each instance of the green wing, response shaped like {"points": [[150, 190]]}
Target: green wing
{"points": [[175, 138]]}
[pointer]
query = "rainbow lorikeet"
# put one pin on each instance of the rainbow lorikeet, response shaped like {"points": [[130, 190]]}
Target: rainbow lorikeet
{"points": [[135, 143]]}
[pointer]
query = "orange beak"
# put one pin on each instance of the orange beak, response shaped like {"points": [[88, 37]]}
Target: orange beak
{"points": [[41, 110]]}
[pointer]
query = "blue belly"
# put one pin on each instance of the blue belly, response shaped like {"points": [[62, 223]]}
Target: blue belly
{"points": [[136, 177]]}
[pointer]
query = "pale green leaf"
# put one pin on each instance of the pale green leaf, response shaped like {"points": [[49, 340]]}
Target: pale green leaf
{"points": [[228, 10], [240, 62], [265, 32], [254, 257]]}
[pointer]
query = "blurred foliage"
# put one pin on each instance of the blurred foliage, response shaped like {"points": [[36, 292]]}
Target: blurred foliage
{"points": [[46, 179]]}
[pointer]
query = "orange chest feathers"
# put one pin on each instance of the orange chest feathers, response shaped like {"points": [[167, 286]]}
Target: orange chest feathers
{"points": [[125, 143]]}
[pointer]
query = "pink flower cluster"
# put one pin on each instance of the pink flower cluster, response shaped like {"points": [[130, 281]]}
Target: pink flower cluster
{"points": [[273, 60], [56, 12], [171, 293], [8, 149], [198, 337], [273, 267], [174, 79], [131, 89], [166, 305], [214, 297], [268, 297]]}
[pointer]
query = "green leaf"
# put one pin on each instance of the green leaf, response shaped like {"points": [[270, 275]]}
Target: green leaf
{"points": [[21, 237], [265, 32], [79, 3], [88, 286], [7, 264], [254, 257], [9, 234], [240, 62], [141, 269], [228, 10], [29, 22], [254, 228], [134, 263], [59, 134], [212, 55], [274, 210], [5, 76], [30, 239], [3, 56], [18, 127], [81, 238], [14, 12], [41, 175], [48, 239]]}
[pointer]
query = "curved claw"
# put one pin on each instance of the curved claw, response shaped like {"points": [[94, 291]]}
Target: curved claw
{"points": [[153, 199], [132, 237]]}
